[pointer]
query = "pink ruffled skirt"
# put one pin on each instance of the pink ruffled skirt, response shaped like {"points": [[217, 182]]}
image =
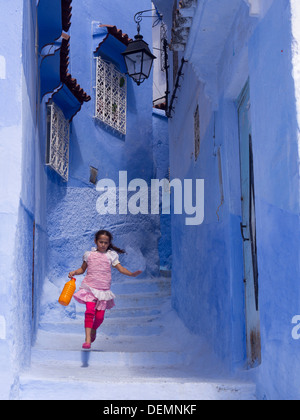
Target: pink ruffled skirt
{"points": [[104, 298]]}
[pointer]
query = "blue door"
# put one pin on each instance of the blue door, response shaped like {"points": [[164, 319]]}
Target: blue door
{"points": [[248, 230]]}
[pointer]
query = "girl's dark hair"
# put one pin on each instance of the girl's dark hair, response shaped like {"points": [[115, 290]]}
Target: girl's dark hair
{"points": [[111, 245]]}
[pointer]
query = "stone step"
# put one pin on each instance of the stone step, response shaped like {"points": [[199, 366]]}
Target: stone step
{"points": [[71, 381], [131, 312], [142, 286], [68, 324], [72, 342], [111, 326], [100, 358], [142, 352], [123, 311], [146, 300]]}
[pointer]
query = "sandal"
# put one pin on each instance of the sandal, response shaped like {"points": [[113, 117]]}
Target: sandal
{"points": [[86, 346], [93, 337]]}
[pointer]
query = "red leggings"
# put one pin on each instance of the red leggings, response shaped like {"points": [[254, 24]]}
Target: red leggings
{"points": [[93, 318]]}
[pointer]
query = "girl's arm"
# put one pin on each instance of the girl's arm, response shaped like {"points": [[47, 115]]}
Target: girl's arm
{"points": [[126, 272], [79, 271]]}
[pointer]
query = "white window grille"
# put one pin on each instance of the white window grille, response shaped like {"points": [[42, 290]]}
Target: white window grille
{"points": [[58, 135], [197, 132], [111, 96]]}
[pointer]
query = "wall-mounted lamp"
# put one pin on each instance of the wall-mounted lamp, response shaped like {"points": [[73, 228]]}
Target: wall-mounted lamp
{"points": [[138, 57]]}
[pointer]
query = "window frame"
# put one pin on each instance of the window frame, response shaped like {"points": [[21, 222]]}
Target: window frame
{"points": [[111, 96], [58, 141]]}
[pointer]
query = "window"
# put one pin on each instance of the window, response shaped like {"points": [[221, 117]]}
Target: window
{"points": [[58, 134], [93, 175], [197, 132], [111, 95]]}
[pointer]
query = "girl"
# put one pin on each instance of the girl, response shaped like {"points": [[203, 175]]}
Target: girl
{"points": [[95, 288]]}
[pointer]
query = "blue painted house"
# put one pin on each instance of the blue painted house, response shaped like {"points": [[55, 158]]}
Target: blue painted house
{"points": [[234, 122], [70, 116]]}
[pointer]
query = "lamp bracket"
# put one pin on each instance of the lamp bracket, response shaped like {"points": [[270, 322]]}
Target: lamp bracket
{"points": [[138, 17]]}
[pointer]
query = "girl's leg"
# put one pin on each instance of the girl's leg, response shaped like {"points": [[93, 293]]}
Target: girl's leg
{"points": [[89, 320], [99, 318]]}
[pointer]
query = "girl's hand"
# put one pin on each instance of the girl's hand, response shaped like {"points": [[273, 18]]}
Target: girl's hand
{"points": [[126, 272], [136, 273], [78, 272]]}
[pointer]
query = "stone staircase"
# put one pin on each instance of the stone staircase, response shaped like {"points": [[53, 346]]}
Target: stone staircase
{"points": [[142, 352]]}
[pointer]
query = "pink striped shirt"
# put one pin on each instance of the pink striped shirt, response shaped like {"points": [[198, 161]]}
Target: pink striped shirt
{"points": [[99, 268]]}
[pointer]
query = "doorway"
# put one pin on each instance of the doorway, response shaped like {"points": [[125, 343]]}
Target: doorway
{"points": [[248, 230], [32, 275]]}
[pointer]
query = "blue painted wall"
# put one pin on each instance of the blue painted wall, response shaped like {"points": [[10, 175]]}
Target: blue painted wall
{"points": [[72, 215], [277, 190], [162, 164], [10, 143], [208, 290], [23, 199], [207, 278]]}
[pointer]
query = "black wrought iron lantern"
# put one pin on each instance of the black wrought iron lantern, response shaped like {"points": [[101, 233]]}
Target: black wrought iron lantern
{"points": [[138, 57]]}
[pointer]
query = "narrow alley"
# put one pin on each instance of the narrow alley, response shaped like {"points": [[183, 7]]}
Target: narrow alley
{"points": [[172, 126]]}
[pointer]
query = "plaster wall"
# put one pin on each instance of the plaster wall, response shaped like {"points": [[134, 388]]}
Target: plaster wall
{"points": [[208, 290], [206, 258], [162, 164], [72, 215], [275, 97], [18, 209]]}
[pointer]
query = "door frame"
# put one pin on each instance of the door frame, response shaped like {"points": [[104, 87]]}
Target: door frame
{"points": [[248, 228]]}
